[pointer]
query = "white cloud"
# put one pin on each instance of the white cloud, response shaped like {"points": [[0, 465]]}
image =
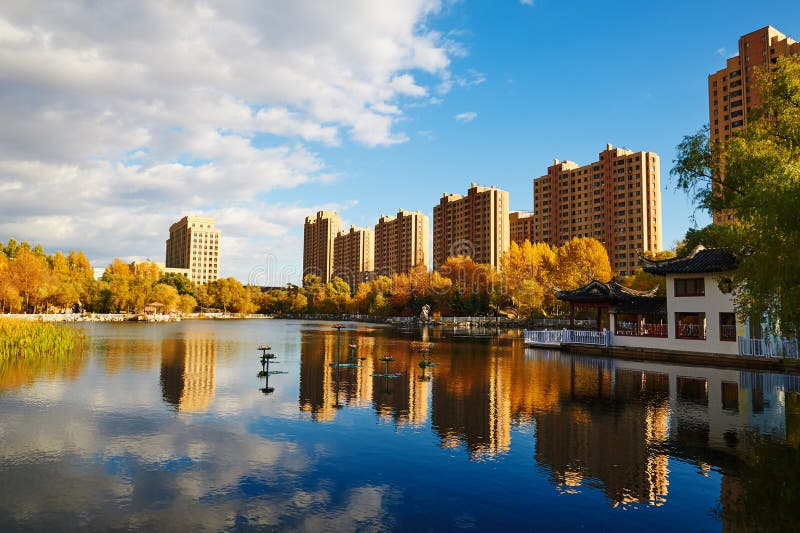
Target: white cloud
{"points": [[526, 2], [467, 116], [118, 119]]}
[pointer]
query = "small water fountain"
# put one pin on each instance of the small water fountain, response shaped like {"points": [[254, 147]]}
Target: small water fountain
{"points": [[266, 359], [352, 360], [387, 359], [425, 361]]}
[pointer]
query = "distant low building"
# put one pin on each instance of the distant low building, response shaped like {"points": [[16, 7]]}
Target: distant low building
{"points": [[185, 272]]}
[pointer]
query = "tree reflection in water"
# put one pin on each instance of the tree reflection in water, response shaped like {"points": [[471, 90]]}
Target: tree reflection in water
{"points": [[763, 493]]}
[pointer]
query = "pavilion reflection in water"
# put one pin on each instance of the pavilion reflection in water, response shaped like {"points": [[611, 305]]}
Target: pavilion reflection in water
{"points": [[188, 371], [598, 422]]}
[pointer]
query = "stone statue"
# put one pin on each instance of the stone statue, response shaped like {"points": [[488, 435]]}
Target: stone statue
{"points": [[426, 309]]}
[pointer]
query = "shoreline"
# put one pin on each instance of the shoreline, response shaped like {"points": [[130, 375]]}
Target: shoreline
{"points": [[741, 362], [127, 317], [773, 364]]}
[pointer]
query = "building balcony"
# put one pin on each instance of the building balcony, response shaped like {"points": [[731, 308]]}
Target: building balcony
{"points": [[631, 329]]}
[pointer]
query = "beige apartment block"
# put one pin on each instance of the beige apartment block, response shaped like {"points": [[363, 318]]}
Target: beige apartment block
{"points": [[520, 226], [732, 91], [353, 254], [319, 234], [615, 200], [401, 242], [193, 245], [475, 225]]}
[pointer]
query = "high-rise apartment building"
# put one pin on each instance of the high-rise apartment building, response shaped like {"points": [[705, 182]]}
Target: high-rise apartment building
{"points": [[520, 226], [474, 225], [353, 255], [401, 242], [318, 235], [193, 244], [615, 200], [732, 91]]}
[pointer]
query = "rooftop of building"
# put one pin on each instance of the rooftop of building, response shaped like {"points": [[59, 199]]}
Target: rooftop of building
{"points": [[452, 197], [190, 220], [597, 291], [620, 298], [353, 229], [322, 215], [699, 261], [400, 213], [617, 152]]}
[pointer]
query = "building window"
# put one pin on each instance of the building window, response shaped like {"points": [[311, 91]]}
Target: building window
{"points": [[690, 326], [690, 287], [727, 326]]}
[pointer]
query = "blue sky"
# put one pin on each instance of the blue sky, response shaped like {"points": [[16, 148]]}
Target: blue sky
{"points": [[122, 120]]}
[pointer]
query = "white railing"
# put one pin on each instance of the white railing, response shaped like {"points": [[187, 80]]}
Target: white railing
{"points": [[634, 329], [467, 321], [544, 336], [691, 331], [728, 331], [595, 338], [781, 347], [567, 336]]}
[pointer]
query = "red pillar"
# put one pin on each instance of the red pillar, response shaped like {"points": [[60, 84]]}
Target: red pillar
{"points": [[571, 315]]}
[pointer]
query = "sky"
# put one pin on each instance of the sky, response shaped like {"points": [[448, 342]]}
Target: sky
{"points": [[118, 118]]}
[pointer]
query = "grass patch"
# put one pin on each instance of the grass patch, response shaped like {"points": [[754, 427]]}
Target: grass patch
{"points": [[29, 349]]}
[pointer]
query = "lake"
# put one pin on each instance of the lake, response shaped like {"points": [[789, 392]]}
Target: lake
{"points": [[168, 427]]}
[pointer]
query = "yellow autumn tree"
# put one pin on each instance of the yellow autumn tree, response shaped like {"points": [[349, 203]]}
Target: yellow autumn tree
{"points": [[29, 272], [473, 285], [579, 261], [10, 299], [527, 277]]}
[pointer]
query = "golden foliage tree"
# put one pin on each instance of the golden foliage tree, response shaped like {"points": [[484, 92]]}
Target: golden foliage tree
{"points": [[528, 270], [579, 261]]}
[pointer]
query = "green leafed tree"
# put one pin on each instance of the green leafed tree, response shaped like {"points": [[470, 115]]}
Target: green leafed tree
{"points": [[181, 283], [756, 174]]}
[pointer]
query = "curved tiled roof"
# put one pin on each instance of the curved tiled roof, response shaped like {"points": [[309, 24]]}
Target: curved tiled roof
{"points": [[700, 260], [597, 291], [621, 299]]}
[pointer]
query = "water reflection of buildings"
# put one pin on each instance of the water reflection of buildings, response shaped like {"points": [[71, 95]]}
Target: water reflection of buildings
{"points": [[615, 420], [610, 425], [127, 353], [323, 387], [403, 400], [188, 367], [471, 402], [606, 424]]}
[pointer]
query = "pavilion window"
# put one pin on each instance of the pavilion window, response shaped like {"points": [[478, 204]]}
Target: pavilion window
{"points": [[727, 326], [690, 326], [690, 287]]}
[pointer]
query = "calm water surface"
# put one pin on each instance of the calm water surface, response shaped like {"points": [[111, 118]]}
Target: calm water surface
{"points": [[167, 427]]}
